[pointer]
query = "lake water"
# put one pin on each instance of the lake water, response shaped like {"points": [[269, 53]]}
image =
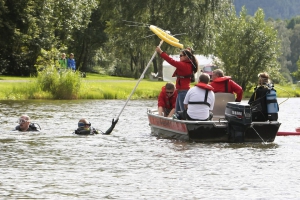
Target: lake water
{"points": [[132, 164]]}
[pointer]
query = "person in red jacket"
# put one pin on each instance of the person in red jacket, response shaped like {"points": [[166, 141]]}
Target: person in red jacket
{"points": [[167, 100], [222, 83], [185, 69]]}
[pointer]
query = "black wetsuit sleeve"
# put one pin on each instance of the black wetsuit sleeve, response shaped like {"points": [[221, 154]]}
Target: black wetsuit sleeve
{"points": [[113, 124]]}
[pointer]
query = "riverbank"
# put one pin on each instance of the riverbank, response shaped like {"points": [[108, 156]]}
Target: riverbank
{"points": [[96, 86]]}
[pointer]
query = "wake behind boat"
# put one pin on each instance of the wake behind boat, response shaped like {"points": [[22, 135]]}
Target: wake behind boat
{"points": [[231, 123]]}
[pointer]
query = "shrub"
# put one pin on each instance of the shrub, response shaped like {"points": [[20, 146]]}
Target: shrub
{"points": [[62, 85]]}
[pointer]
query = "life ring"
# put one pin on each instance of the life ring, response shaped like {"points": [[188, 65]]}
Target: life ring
{"points": [[166, 37]]}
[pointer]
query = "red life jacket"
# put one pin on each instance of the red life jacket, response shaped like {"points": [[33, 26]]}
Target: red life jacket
{"points": [[205, 87]]}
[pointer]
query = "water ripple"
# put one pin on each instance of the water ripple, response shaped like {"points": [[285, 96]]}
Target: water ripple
{"points": [[132, 164]]}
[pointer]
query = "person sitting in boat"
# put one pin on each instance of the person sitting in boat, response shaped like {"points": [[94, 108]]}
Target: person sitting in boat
{"points": [[222, 83], [167, 100], [199, 100], [25, 124], [85, 128], [259, 102]]}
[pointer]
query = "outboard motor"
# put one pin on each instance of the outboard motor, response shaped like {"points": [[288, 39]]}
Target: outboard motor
{"points": [[239, 119]]}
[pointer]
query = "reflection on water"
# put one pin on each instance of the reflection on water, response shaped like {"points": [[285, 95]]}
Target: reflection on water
{"points": [[132, 164]]}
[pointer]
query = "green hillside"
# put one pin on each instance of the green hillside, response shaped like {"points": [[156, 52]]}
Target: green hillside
{"points": [[276, 9]]}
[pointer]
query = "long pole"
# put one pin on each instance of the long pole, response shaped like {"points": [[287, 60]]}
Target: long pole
{"points": [[142, 76]]}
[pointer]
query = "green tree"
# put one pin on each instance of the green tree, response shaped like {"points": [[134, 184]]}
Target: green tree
{"points": [[296, 74], [295, 47], [192, 21], [247, 45], [19, 37], [283, 36], [292, 22], [88, 41], [27, 26]]}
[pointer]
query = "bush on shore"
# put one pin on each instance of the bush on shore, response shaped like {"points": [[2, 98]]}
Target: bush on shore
{"points": [[62, 85]]}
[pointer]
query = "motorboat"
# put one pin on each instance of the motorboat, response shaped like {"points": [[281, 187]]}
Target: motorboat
{"points": [[232, 123]]}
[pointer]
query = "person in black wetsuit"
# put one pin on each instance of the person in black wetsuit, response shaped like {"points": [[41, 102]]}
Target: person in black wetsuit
{"points": [[85, 128], [258, 100], [25, 124]]}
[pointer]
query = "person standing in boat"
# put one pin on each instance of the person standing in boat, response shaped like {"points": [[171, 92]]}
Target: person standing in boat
{"points": [[85, 128], [185, 70], [222, 83], [258, 101], [167, 100], [25, 124], [199, 100]]}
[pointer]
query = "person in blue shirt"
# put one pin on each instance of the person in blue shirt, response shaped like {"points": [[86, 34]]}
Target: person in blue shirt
{"points": [[71, 64]]}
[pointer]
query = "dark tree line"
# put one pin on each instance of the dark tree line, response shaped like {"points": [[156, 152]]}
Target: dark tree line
{"points": [[94, 31], [112, 35]]}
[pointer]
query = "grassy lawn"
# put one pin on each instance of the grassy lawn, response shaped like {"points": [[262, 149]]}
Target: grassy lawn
{"points": [[93, 76], [96, 86], [12, 78], [90, 76]]}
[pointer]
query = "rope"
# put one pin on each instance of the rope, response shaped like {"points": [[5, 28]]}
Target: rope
{"points": [[286, 92], [258, 134]]}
